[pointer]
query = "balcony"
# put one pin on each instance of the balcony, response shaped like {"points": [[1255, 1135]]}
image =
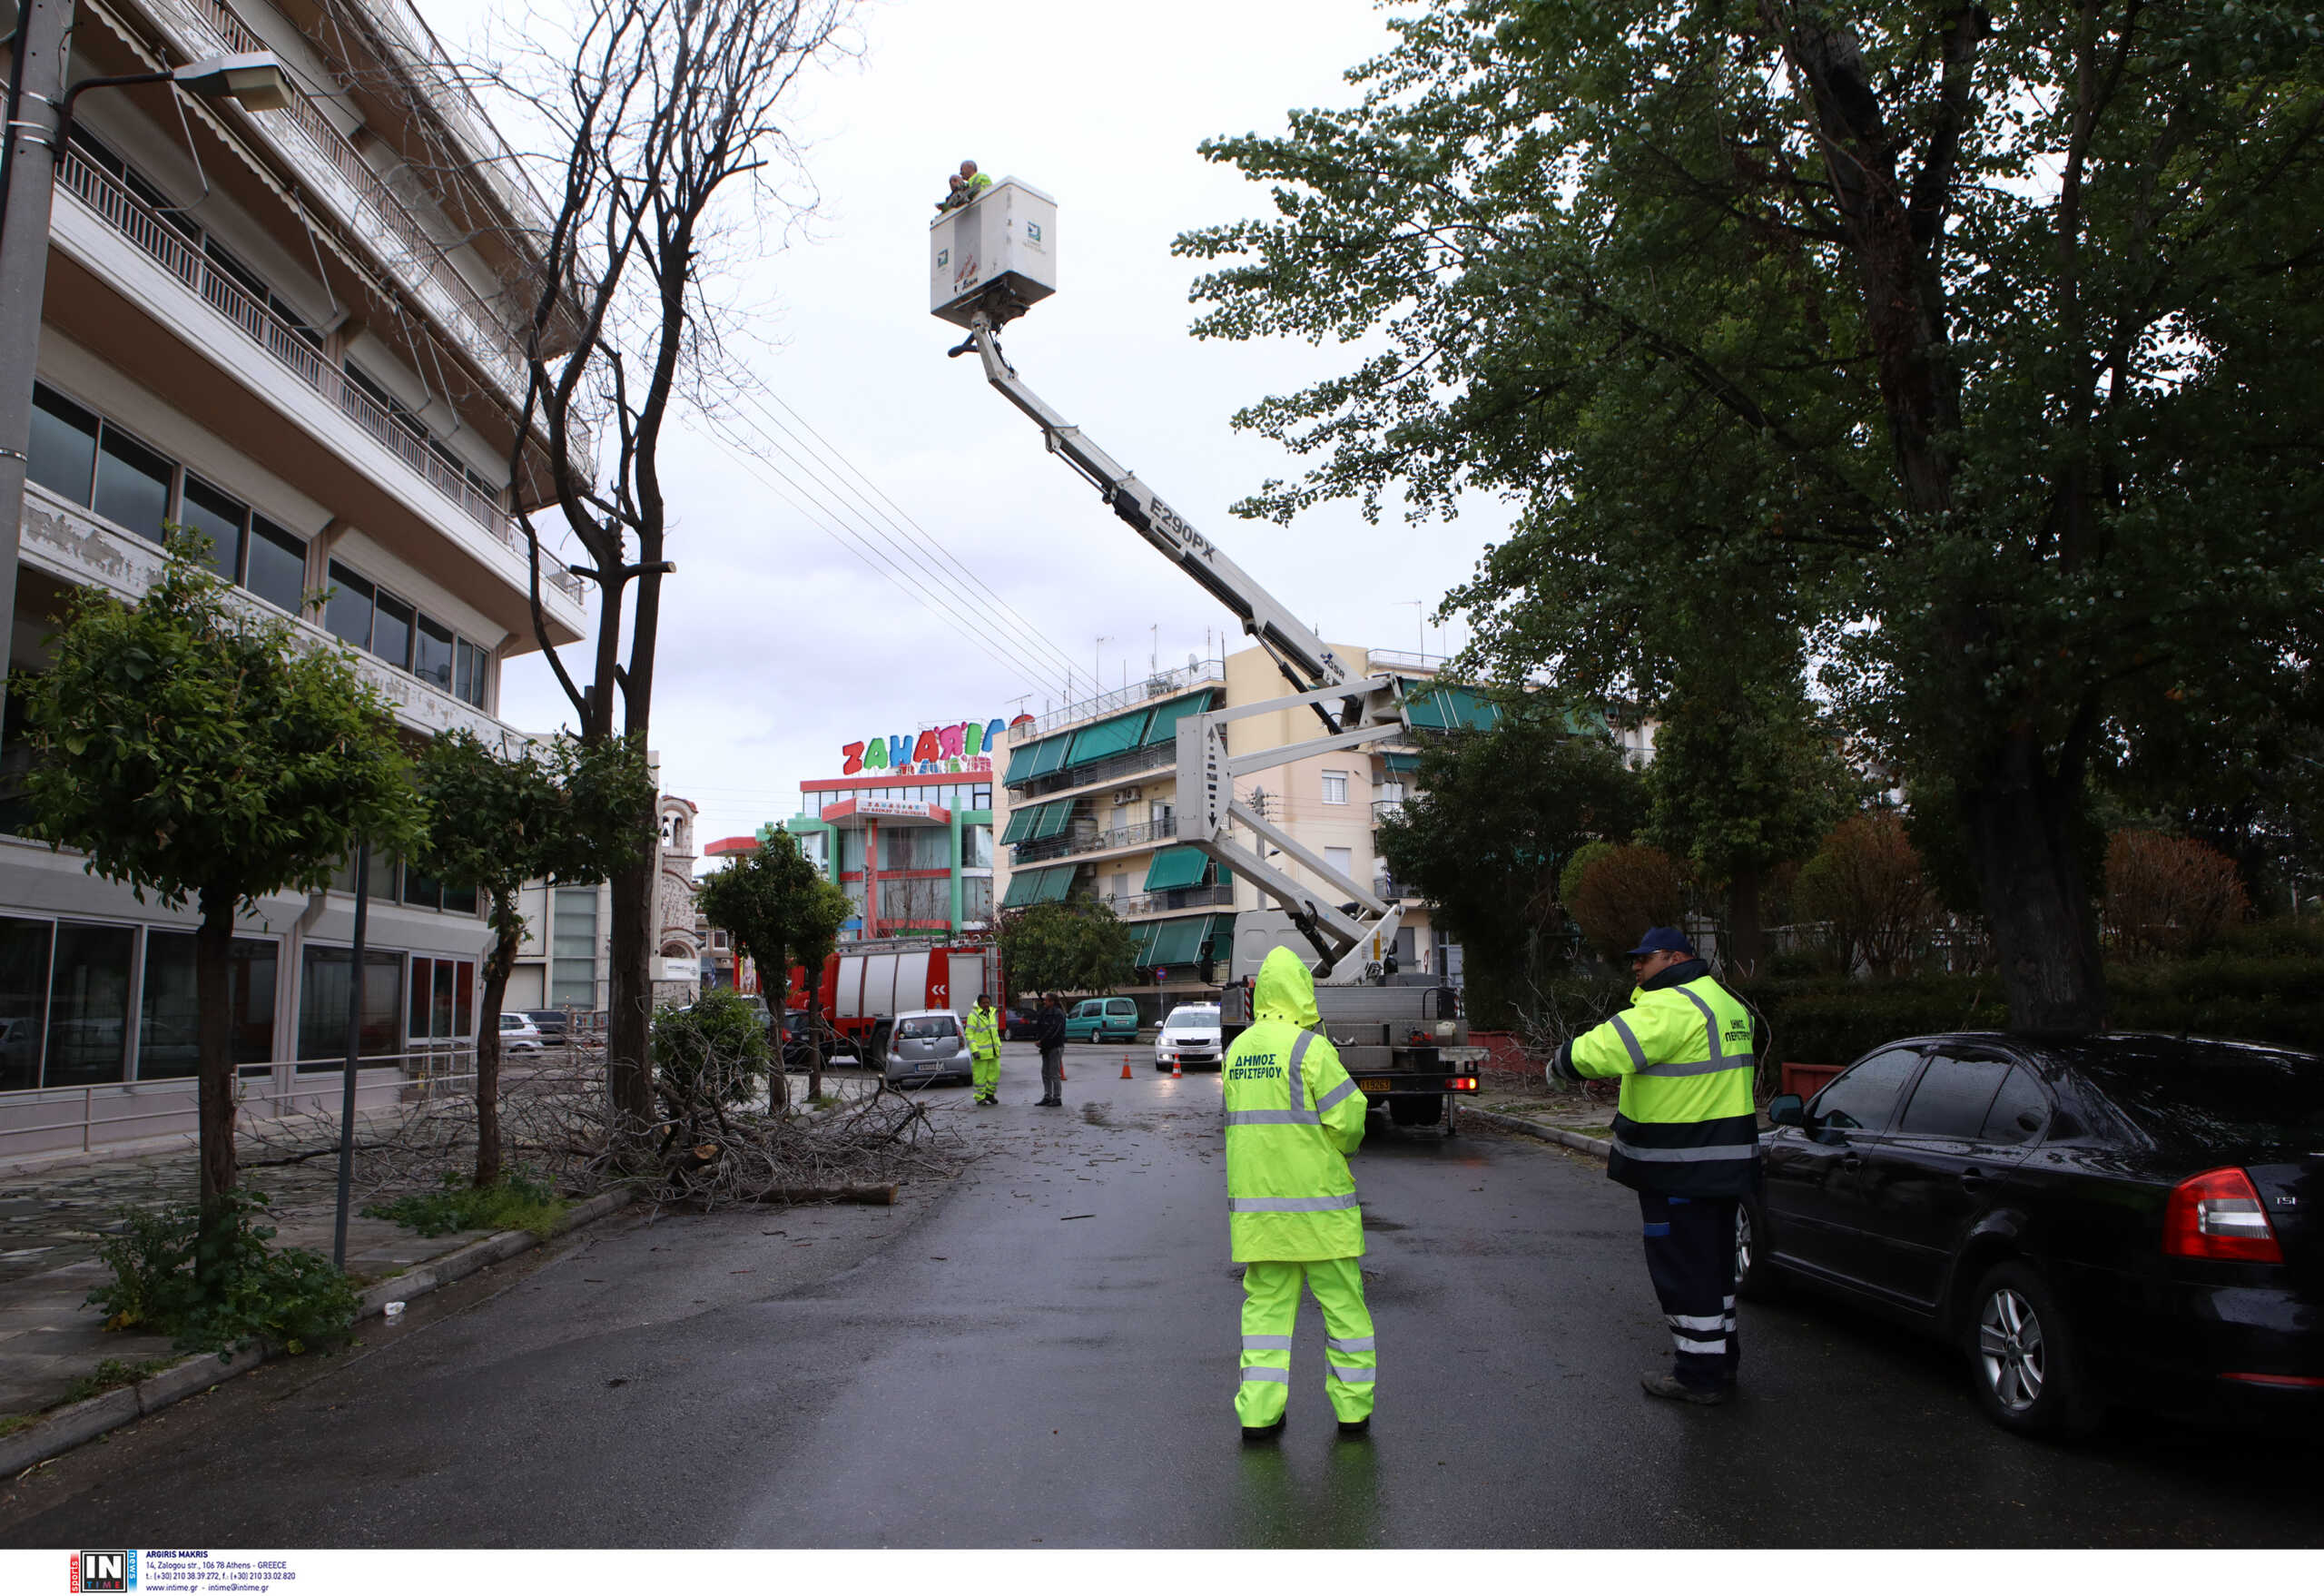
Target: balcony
{"points": [[366, 207], [75, 546], [1386, 809], [289, 349], [1167, 683], [1162, 758], [1130, 905], [1152, 832]]}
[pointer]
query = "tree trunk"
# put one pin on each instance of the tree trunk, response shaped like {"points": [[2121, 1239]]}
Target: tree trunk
{"points": [[496, 968], [213, 947], [814, 1040], [1747, 937], [2019, 818], [629, 1060]]}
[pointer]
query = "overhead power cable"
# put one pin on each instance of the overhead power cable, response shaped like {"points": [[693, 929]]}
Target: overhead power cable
{"points": [[766, 400]]}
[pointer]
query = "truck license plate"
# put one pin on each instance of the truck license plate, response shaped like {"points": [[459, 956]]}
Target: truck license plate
{"points": [[1372, 1083]]}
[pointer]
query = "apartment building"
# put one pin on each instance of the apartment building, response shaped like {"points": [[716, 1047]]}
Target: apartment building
{"points": [[1088, 810], [296, 331]]}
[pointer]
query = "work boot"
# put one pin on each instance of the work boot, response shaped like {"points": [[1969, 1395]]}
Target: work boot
{"points": [[1672, 1388], [1352, 1428], [1261, 1435]]}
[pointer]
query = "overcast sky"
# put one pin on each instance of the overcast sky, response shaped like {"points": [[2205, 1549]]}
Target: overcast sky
{"points": [[779, 645]]}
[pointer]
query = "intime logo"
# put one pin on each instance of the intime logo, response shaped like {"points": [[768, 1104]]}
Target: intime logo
{"points": [[104, 1570]]}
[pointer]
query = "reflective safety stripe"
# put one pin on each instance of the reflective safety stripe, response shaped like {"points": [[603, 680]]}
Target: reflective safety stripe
{"points": [[1272, 1117], [1684, 1345], [1352, 1376], [1266, 1344], [1701, 1066], [1658, 1228], [1749, 1149], [1629, 1040], [1267, 1376], [1352, 1344], [1289, 1205], [1678, 1322], [1292, 1077], [1335, 1097]]}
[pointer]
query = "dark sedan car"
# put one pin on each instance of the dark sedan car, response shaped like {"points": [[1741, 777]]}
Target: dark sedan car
{"points": [[1020, 1025], [2111, 1217]]}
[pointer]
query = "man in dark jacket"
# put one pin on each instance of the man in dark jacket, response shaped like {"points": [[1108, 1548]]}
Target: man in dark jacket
{"points": [[1048, 1034], [1687, 1140]]}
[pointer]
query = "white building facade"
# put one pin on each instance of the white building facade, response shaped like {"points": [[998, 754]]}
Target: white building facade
{"points": [[298, 333]]}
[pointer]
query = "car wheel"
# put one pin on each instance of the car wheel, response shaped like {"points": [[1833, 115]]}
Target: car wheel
{"points": [[1755, 1277], [2023, 1355]]}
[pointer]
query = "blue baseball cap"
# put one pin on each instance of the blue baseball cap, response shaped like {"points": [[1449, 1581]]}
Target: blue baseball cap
{"points": [[1663, 939]]}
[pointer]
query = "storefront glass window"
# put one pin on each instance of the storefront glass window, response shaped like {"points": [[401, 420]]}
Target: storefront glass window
{"points": [[23, 999], [168, 1043], [88, 1004], [323, 999]]}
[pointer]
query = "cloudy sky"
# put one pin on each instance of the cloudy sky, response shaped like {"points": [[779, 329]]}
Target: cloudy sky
{"points": [[780, 643]]}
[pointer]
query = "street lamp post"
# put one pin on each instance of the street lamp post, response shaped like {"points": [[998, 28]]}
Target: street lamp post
{"points": [[41, 120]]}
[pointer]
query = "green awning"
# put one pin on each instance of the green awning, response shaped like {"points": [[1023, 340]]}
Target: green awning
{"points": [[1055, 881], [1164, 726], [1021, 888], [1116, 736], [1028, 887], [1222, 937], [1049, 756], [1055, 818], [1021, 764], [1141, 937], [1449, 708], [1179, 942], [1402, 765], [1176, 867], [1021, 821]]}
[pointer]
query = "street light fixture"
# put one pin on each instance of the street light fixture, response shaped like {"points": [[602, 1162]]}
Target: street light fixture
{"points": [[39, 124]]}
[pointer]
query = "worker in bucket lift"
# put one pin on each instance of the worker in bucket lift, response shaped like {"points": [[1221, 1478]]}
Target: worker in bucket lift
{"points": [[974, 182], [958, 196], [1292, 1117]]}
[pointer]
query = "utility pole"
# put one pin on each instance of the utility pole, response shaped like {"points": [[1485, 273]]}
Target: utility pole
{"points": [[36, 97]]}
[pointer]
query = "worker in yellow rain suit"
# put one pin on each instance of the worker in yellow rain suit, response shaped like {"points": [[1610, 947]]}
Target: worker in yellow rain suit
{"points": [[1292, 1117], [984, 1049]]}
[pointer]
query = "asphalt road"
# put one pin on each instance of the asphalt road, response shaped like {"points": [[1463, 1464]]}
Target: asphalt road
{"points": [[1043, 1353]]}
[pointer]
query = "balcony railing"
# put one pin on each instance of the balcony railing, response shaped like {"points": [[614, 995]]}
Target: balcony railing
{"points": [[1063, 847], [129, 216], [490, 340], [1116, 767], [1398, 659], [1386, 809], [1167, 683], [1128, 905]]}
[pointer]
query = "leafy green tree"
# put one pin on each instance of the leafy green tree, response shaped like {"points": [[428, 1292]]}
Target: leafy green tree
{"points": [[1071, 947], [562, 810], [1746, 776], [198, 752], [1979, 342], [780, 911], [1498, 816]]}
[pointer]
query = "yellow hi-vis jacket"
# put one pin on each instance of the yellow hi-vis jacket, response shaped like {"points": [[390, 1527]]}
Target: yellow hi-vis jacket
{"points": [[1292, 1117], [984, 1033], [1685, 1124]]}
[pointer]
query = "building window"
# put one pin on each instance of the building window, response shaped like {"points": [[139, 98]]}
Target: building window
{"points": [[421, 891], [1336, 786], [326, 995], [168, 1012], [219, 517], [391, 631], [23, 998], [348, 612], [977, 844], [132, 487], [278, 566], [88, 1004], [431, 659], [63, 454], [443, 999], [976, 898], [1341, 860], [573, 948]]}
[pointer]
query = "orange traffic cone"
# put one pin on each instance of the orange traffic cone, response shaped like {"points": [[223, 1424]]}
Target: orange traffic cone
{"points": [[1125, 1065], [1175, 1073]]}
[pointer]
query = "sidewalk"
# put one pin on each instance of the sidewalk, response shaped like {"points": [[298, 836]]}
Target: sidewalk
{"points": [[1564, 1111], [53, 1219]]}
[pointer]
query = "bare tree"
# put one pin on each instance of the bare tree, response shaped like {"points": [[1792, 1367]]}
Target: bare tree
{"points": [[663, 121]]}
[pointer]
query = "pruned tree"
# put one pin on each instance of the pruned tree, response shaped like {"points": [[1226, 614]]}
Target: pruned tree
{"points": [[1977, 341], [664, 118], [198, 751], [776, 905], [561, 811]]}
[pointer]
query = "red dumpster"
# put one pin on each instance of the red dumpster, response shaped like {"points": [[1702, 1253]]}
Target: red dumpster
{"points": [[1807, 1080]]}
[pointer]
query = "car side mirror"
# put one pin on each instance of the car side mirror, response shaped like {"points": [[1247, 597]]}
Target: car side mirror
{"points": [[1787, 1109]]}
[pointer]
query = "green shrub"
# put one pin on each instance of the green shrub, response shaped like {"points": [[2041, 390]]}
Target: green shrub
{"points": [[714, 1047], [109, 1375], [221, 1290], [510, 1203]]}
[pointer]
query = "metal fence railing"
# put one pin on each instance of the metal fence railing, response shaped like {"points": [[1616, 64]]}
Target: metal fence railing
{"points": [[1157, 684]]}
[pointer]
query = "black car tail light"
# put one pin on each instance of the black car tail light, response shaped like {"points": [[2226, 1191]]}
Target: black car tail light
{"points": [[2218, 1214]]}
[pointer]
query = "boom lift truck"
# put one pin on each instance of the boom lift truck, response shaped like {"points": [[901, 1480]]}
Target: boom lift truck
{"points": [[1406, 1046]]}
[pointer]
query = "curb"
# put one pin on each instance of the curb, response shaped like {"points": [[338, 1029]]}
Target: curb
{"points": [[1595, 1147], [68, 1427]]}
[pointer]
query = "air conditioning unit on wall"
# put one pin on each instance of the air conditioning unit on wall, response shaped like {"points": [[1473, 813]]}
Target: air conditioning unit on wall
{"points": [[1128, 796]]}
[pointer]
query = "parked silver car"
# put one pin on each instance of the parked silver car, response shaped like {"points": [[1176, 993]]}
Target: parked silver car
{"points": [[925, 1046], [519, 1034]]}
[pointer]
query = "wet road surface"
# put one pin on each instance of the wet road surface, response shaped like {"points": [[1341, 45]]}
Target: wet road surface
{"points": [[1043, 1353]]}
